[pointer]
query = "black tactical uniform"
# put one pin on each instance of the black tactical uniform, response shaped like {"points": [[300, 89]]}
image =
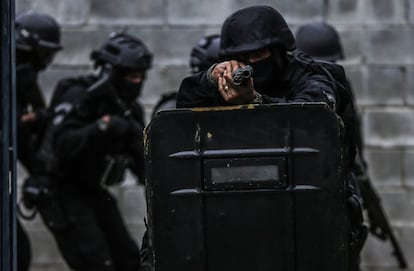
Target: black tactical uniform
{"points": [[321, 41], [37, 40], [283, 77], [288, 81], [95, 134]]}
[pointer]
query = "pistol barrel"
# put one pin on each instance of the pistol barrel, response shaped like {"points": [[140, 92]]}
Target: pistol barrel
{"points": [[241, 75]]}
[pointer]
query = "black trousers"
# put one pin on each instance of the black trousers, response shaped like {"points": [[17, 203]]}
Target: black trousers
{"points": [[89, 230]]}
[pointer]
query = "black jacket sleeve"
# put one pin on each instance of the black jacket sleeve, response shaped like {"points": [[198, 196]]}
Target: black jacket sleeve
{"points": [[310, 85], [303, 86], [77, 131], [196, 91]]}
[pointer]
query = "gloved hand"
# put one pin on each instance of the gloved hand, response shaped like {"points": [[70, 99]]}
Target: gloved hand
{"points": [[119, 126], [124, 127]]}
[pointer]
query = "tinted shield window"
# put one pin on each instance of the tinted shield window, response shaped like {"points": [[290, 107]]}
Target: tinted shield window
{"points": [[245, 173]]}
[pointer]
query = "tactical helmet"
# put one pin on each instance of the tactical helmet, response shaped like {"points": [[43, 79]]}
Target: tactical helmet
{"points": [[320, 40], [35, 31], [123, 51], [205, 53], [254, 28]]}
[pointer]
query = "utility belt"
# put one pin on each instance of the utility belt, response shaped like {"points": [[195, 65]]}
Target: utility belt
{"points": [[40, 196]]}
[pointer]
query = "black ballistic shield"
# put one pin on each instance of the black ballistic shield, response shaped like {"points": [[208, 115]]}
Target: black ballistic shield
{"points": [[247, 188]]}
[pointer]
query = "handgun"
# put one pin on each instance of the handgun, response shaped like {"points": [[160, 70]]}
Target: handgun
{"points": [[240, 76]]}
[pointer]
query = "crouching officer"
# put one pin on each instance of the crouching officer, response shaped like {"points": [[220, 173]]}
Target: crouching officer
{"points": [[95, 134], [258, 37]]}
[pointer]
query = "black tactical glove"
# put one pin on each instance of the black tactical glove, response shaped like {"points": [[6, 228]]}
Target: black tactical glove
{"points": [[125, 127], [118, 126], [116, 133]]}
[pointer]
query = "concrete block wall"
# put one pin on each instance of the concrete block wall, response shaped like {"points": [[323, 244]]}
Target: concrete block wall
{"points": [[378, 38]]}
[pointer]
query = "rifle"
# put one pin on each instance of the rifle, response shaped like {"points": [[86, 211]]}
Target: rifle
{"points": [[379, 224]]}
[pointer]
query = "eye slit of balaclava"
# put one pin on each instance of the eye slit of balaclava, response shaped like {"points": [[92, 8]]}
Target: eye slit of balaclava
{"points": [[127, 90], [268, 72]]}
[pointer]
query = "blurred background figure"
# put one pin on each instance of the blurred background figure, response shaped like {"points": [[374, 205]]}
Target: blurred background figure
{"points": [[204, 54], [93, 135], [37, 42], [322, 41]]}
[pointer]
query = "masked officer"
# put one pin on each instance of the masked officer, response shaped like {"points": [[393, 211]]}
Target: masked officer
{"points": [[37, 41], [321, 41], [257, 36], [204, 54], [260, 37], [95, 134]]}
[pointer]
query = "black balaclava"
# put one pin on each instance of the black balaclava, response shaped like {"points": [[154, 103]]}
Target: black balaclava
{"points": [[127, 90], [268, 73]]}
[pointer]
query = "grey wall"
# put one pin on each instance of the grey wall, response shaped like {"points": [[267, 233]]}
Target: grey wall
{"points": [[378, 37]]}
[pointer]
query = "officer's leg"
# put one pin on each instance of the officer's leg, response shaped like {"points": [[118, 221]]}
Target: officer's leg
{"points": [[24, 253], [125, 251], [79, 237]]}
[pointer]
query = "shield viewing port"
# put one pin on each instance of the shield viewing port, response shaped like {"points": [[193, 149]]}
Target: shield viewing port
{"points": [[245, 173]]}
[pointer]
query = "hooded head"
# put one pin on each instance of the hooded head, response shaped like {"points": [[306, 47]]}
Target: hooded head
{"points": [[254, 28], [258, 36]]}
